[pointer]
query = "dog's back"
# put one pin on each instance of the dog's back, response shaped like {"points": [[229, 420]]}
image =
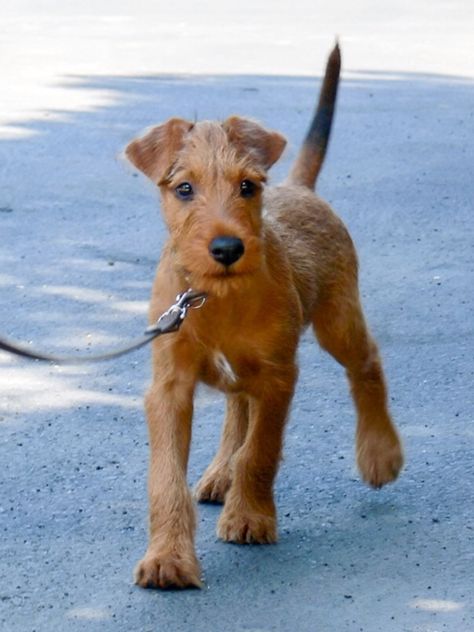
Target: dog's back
{"points": [[317, 243]]}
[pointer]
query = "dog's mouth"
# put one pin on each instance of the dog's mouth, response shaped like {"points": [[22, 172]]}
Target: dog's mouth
{"points": [[219, 282], [227, 273]]}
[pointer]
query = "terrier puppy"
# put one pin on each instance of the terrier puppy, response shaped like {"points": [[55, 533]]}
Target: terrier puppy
{"points": [[271, 261]]}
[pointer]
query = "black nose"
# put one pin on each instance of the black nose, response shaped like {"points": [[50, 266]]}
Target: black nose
{"points": [[226, 250]]}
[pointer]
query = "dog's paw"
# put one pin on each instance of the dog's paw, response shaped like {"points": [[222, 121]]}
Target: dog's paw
{"points": [[379, 456], [247, 527], [213, 486], [168, 570]]}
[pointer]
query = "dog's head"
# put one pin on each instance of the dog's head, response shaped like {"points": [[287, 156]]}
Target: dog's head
{"points": [[211, 177]]}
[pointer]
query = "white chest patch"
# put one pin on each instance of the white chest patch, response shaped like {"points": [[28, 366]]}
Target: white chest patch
{"points": [[224, 367]]}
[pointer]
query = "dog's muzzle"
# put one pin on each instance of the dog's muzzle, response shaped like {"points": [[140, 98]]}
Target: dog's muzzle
{"points": [[226, 250]]}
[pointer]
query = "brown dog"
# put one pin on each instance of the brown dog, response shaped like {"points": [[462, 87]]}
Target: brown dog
{"points": [[271, 262]]}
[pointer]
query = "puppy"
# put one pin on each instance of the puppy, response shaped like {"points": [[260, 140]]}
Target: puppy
{"points": [[271, 261]]}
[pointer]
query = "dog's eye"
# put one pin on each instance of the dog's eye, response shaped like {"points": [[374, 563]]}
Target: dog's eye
{"points": [[184, 191], [247, 188]]}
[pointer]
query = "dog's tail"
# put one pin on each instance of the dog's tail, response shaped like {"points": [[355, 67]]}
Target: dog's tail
{"points": [[310, 159]]}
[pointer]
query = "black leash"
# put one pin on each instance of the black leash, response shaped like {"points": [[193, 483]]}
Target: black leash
{"points": [[167, 323]]}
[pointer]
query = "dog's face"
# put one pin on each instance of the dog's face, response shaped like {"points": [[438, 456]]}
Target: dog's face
{"points": [[211, 177]]}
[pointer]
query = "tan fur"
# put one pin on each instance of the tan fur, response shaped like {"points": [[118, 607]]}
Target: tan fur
{"points": [[299, 267]]}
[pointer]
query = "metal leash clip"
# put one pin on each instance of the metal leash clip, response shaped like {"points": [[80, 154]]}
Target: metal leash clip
{"points": [[172, 319], [169, 322]]}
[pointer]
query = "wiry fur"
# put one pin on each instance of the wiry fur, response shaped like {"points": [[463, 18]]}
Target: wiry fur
{"points": [[299, 267]]}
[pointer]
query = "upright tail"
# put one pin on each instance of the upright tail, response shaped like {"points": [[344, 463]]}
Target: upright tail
{"points": [[310, 159]]}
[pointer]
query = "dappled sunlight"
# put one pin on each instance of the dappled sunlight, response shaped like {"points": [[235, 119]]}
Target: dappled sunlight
{"points": [[89, 295], [33, 388], [88, 613], [35, 88], [80, 294], [95, 311], [436, 605], [139, 285], [355, 78], [131, 307], [16, 132], [8, 279]]}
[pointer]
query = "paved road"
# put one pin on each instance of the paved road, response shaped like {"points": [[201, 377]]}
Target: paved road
{"points": [[80, 239]]}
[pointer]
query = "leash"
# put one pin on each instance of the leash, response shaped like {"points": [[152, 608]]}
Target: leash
{"points": [[169, 322]]}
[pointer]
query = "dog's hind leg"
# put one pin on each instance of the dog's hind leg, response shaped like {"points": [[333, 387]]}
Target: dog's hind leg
{"points": [[340, 327], [217, 478]]}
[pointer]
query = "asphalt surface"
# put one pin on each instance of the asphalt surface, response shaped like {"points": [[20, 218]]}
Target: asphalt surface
{"points": [[81, 235]]}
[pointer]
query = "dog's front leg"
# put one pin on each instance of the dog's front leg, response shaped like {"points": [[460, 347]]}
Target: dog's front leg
{"points": [[249, 514], [170, 560]]}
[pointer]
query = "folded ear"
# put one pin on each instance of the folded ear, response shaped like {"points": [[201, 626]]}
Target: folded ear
{"points": [[154, 152], [267, 146]]}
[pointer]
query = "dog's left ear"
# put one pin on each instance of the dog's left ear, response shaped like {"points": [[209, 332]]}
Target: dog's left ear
{"points": [[251, 136], [154, 152]]}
